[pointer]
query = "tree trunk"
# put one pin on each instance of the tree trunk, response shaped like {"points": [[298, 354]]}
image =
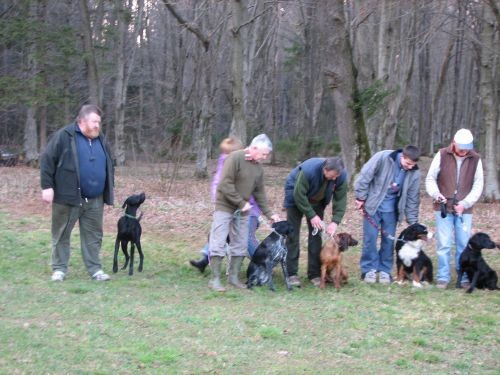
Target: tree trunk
{"points": [[340, 79], [490, 45], [238, 123], [95, 96], [125, 58]]}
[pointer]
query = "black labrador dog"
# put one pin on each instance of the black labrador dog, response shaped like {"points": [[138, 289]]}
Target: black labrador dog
{"points": [[129, 230], [271, 251], [472, 263]]}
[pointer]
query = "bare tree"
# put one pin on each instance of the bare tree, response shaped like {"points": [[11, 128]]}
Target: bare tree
{"points": [[339, 74], [490, 79]]}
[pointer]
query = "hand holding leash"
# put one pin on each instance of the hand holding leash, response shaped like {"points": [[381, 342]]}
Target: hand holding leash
{"points": [[331, 229]]}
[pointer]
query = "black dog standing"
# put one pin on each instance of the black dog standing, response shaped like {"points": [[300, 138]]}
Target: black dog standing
{"points": [[271, 251], [472, 263], [129, 230]]}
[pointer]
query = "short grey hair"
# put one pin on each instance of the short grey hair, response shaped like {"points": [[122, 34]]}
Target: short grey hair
{"points": [[334, 164], [262, 141]]}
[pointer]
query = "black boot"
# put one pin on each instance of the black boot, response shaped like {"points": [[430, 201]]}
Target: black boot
{"points": [[200, 264]]}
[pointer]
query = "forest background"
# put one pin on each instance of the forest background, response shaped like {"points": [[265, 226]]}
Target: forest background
{"points": [[320, 77]]}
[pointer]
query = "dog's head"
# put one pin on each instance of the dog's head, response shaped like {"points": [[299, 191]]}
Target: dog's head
{"points": [[283, 227], [134, 200], [415, 232], [481, 241], [344, 240]]}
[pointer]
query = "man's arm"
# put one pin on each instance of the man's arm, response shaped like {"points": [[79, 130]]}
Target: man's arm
{"points": [[300, 196], [339, 202]]}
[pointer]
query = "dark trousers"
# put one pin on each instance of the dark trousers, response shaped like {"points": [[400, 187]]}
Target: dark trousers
{"points": [[294, 217]]}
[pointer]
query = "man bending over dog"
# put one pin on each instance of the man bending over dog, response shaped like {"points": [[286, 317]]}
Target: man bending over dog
{"points": [[308, 189], [77, 179], [242, 177]]}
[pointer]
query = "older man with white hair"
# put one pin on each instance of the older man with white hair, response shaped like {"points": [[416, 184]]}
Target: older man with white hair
{"points": [[242, 177], [455, 182]]}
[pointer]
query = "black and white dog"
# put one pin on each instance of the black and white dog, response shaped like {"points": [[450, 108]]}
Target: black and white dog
{"points": [[271, 251], [481, 275], [410, 256]]}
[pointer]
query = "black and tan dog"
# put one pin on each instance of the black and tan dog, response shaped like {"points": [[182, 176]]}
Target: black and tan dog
{"points": [[129, 230], [270, 252], [410, 257], [472, 263]]}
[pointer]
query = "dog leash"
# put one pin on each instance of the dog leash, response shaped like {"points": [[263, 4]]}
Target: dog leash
{"points": [[374, 224]]}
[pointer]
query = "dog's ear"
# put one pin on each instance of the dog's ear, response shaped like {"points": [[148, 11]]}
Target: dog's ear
{"points": [[343, 241], [125, 203]]}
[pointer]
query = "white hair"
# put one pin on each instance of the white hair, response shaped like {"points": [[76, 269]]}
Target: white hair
{"points": [[262, 141]]}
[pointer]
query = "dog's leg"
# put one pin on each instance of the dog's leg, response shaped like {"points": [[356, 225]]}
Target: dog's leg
{"points": [[458, 285], [141, 255], [269, 270], [416, 277], [400, 275], [473, 282], [132, 250], [285, 274], [338, 275], [322, 282], [125, 252], [115, 256]]}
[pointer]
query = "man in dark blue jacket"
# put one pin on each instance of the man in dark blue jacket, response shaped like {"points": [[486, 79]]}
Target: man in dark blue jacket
{"points": [[309, 188], [76, 176]]}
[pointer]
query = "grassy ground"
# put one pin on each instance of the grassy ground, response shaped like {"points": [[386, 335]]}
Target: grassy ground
{"points": [[166, 321]]}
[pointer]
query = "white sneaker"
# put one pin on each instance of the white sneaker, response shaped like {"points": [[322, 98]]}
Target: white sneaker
{"points": [[370, 277], [58, 276], [100, 276], [384, 278]]}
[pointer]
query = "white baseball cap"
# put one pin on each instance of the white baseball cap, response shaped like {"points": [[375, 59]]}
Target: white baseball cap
{"points": [[464, 139]]}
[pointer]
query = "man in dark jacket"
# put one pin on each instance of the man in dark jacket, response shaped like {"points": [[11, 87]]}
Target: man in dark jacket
{"points": [[309, 188], [76, 176]]}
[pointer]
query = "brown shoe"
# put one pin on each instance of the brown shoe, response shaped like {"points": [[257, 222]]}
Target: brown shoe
{"points": [[441, 284], [294, 281], [316, 281]]}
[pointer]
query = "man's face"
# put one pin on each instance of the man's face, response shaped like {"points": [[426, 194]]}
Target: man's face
{"points": [[407, 163], [458, 151], [90, 125], [330, 174], [259, 154]]}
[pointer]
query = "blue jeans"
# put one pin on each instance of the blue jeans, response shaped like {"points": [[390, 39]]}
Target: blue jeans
{"points": [[371, 257], [446, 227], [253, 242]]}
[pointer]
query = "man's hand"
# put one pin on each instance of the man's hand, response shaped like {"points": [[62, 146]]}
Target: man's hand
{"points": [[246, 207], [275, 218], [359, 204], [440, 198], [459, 209], [317, 223], [331, 228], [48, 195]]}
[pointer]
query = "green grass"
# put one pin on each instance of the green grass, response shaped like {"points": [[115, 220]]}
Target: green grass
{"points": [[166, 321]]}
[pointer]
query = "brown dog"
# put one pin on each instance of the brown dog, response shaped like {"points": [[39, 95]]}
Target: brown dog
{"points": [[331, 258]]}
